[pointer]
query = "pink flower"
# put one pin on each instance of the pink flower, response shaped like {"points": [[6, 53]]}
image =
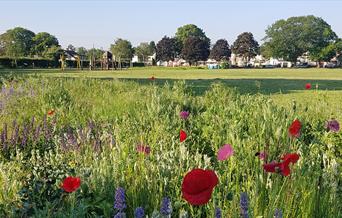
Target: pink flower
{"points": [[143, 149], [184, 114], [225, 152]]}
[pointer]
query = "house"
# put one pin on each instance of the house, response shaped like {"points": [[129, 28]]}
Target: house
{"points": [[305, 60], [71, 55], [148, 61], [237, 61], [177, 62], [135, 59]]}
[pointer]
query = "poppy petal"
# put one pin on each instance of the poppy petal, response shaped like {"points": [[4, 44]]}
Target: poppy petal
{"points": [[182, 135], [198, 186], [294, 129]]}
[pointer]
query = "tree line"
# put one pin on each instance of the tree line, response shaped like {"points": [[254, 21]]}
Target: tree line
{"points": [[286, 38]]}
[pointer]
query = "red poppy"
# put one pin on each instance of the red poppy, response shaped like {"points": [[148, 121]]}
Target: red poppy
{"points": [[282, 167], [152, 78], [308, 86], [294, 129], [182, 136], [143, 149], [51, 112], [198, 186], [71, 184]]}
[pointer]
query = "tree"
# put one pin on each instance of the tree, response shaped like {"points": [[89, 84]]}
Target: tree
{"points": [[144, 50], [187, 31], [53, 52], [42, 42], [220, 50], [95, 52], [245, 45], [71, 48], [326, 53], [153, 47], [166, 49], [82, 51], [17, 42], [195, 49], [122, 49], [334, 49], [290, 38]]}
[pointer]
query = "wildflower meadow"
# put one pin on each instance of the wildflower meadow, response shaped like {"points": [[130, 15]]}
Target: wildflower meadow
{"points": [[78, 147]]}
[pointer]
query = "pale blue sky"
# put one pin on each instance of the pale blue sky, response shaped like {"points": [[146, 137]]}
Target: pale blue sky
{"points": [[84, 23]]}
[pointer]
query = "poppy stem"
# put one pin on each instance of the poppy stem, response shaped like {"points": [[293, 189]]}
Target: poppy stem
{"points": [[280, 191]]}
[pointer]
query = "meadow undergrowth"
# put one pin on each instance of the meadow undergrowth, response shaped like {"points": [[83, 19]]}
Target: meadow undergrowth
{"points": [[95, 126]]}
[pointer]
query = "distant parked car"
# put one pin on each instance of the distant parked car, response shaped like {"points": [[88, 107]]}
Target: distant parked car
{"points": [[330, 65], [302, 65], [268, 66]]}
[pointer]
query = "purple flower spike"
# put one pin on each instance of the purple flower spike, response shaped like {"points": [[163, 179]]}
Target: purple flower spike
{"points": [[278, 213], [218, 213], [166, 208], [139, 212], [120, 199], [244, 204], [184, 114]]}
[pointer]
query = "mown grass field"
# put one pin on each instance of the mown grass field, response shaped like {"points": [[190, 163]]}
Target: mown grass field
{"points": [[98, 122]]}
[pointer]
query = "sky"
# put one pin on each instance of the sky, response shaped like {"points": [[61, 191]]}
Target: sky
{"points": [[91, 23]]}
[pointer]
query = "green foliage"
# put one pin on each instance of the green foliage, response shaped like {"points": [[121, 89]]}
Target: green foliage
{"points": [[125, 114], [167, 49], [195, 49], [94, 52], [224, 65], [17, 42], [245, 45], [43, 42], [144, 50], [122, 49], [220, 50], [57, 98], [326, 54], [190, 30], [290, 38], [83, 52]]}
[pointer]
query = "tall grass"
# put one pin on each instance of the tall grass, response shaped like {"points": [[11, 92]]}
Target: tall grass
{"points": [[97, 125]]}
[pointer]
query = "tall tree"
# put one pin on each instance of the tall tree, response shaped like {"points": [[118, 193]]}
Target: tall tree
{"points": [[71, 48], [187, 31], [195, 49], [245, 45], [153, 47], [144, 50], [42, 42], [290, 38], [122, 49], [166, 49], [53, 52], [220, 50], [82, 51], [95, 52], [17, 42]]}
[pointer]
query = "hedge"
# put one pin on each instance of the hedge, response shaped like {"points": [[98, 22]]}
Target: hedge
{"points": [[7, 62]]}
